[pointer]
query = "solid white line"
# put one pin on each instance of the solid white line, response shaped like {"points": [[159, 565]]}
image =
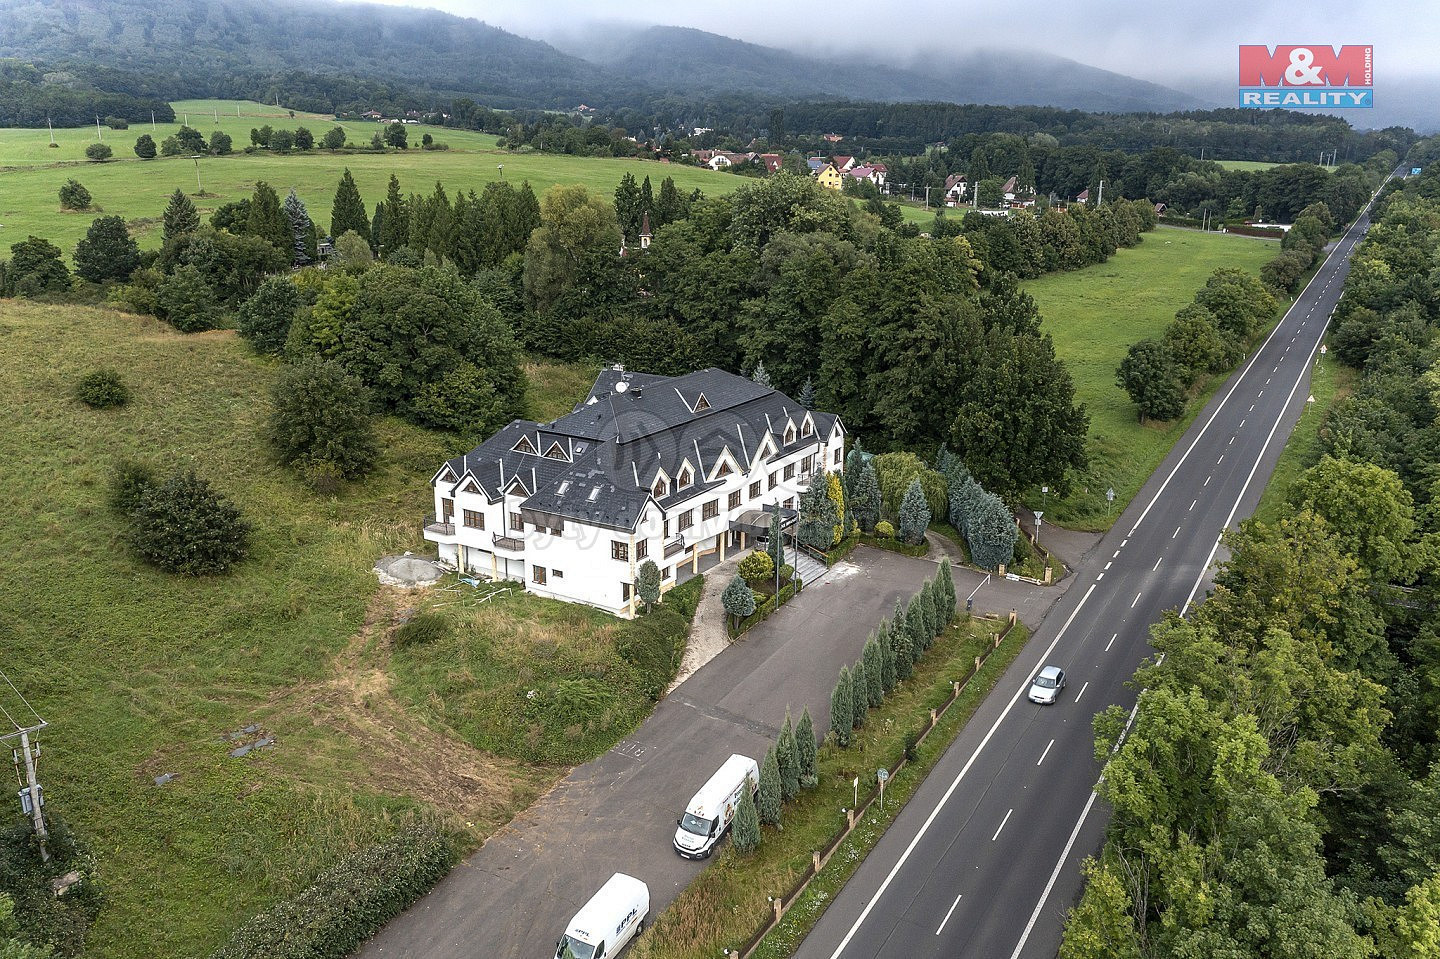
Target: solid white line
{"points": [[1002, 825], [1111, 643], [1045, 753], [955, 784], [948, 914], [1082, 692], [1064, 854], [1135, 600], [1158, 561]]}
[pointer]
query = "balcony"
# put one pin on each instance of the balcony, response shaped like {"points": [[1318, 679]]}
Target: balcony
{"points": [[675, 547], [512, 543], [435, 530]]}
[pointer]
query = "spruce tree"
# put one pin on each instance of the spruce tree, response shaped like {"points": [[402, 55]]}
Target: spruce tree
{"points": [[805, 750], [180, 218], [914, 515], [807, 393], [745, 831], [107, 252], [760, 376], [348, 211], [944, 605], [874, 672], [860, 693], [302, 231], [267, 220], [931, 609], [770, 790], [842, 709], [787, 754], [900, 643], [394, 219], [865, 499]]}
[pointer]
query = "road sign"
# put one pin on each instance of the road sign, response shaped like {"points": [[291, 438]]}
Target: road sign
{"points": [[882, 774]]}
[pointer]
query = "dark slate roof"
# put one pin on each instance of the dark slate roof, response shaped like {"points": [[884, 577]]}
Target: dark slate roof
{"points": [[608, 451]]}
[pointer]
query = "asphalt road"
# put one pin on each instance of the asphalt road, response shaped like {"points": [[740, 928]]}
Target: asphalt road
{"points": [[984, 861], [512, 898]]}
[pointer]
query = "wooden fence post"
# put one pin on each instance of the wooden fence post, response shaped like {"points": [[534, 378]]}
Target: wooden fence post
{"points": [[815, 861]]}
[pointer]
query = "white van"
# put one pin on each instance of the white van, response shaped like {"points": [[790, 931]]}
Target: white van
{"points": [[712, 809], [606, 923]]}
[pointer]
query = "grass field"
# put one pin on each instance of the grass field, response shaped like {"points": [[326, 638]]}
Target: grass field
{"points": [[142, 673], [31, 173], [1094, 315]]}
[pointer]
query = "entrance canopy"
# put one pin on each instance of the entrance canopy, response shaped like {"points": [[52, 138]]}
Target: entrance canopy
{"points": [[756, 522]]}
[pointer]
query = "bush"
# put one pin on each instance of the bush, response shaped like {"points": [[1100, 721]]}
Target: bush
{"points": [[347, 903], [321, 415], [74, 196], [183, 526], [264, 319], [128, 485], [107, 252], [220, 143], [787, 572], [186, 301], [99, 152], [757, 568], [48, 921], [421, 630], [884, 530], [145, 147], [102, 389]]}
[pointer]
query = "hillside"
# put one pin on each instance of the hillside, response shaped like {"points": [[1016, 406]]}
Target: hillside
{"points": [[685, 60]]}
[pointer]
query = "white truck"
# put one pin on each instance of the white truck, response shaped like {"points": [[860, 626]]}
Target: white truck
{"points": [[608, 922], [712, 809]]}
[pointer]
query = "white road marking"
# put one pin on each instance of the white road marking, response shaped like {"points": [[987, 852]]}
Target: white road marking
{"points": [[1220, 460], [1002, 825], [1251, 410], [1100, 577], [1115, 554], [955, 784], [1126, 540], [1158, 561], [1207, 481], [952, 909], [1135, 600], [1082, 692], [1192, 504], [1045, 753], [1242, 423], [1176, 533], [1107, 565], [1111, 643]]}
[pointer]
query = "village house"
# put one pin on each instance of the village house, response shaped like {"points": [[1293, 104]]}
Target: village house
{"points": [[680, 470], [829, 177], [873, 174], [955, 189], [1018, 197]]}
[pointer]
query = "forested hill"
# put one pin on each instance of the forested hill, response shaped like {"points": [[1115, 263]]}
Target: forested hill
{"points": [[212, 47], [684, 59]]}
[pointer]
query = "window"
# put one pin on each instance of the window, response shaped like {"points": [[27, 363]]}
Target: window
{"points": [[619, 550], [808, 466], [687, 519], [702, 403], [684, 479], [790, 471], [710, 510], [447, 510], [667, 572], [666, 532], [555, 452], [625, 592], [524, 446], [558, 530], [724, 469], [474, 519], [661, 490], [774, 480], [734, 502], [755, 490], [558, 573], [517, 522], [642, 549], [537, 573], [837, 456], [789, 435], [807, 429]]}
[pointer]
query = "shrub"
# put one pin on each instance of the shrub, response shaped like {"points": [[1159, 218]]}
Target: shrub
{"points": [[347, 903], [145, 147], [49, 921], [647, 584], [321, 414], [787, 572], [128, 485], [183, 526], [99, 152], [264, 319], [186, 301], [107, 252], [745, 831], [220, 143], [737, 598], [102, 389], [117, 123], [757, 567], [74, 196], [884, 530], [421, 630]]}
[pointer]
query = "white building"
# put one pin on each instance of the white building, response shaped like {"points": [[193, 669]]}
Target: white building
{"points": [[674, 469]]}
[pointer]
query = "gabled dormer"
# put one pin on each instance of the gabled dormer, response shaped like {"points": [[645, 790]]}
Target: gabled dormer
{"points": [[517, 487], [766, 449], [557, 452], [471, 487], [807, 426], [697, 404], [445, 477], [660, 488], [725, 464], [684, 476], [789, 433], [523, 445]]}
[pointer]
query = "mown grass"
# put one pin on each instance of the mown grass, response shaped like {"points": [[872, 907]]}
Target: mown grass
{"points": [[142, 673], [544, 681], [556, 388], [1330, 382], [726, 903], [1094, 315], [137, 189]]}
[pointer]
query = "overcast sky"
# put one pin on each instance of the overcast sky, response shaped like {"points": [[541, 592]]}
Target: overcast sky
{"points": [[1179, 43]]}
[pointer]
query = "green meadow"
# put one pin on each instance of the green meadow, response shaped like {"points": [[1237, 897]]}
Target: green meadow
{"points": [[31, 172], [1093, 315]]}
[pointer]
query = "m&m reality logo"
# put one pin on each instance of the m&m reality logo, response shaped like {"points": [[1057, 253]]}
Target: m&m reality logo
{"points": [[1313, 75]]}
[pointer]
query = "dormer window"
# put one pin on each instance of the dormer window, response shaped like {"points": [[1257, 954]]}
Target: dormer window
{"points": [[807, 428], [662, 489], [724, 469], [701, 403], [789, 434], [524, 446], [684, 479], [555, 452]]}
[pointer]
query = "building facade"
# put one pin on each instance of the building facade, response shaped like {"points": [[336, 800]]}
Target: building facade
{"points": [[674, 469]]}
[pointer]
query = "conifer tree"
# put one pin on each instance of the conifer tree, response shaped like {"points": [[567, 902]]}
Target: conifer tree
{"points": [[917, 624], [887, 659], [787, 754], [865, 500], [760, 376], [302, 231], [267, 220], [900, 643], [776, 545], [394, 218], [647, 198], [180, 218], [874, 672], [914, 514], [770, 790], [931, 610], [860, 693], [842, 709], [805, 750], [807, 393], [628, 211], [348, 211], [947, 587], [670, 206], [745, 832]]}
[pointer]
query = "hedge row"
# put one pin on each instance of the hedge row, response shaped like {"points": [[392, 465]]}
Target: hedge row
{"points": [[347, 904]]}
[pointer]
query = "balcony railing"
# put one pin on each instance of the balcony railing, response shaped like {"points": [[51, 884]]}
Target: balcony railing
{"points": [[513, 543], [440, 527], [675, 547]]}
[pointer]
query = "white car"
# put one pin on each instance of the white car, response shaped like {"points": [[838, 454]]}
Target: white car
{"points": [[1047, 685]]}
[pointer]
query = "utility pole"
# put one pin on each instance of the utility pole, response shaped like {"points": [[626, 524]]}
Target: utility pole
{"points": [[97, 129], [52, 130], [1101, 198], [31, 793], [927, 196]]}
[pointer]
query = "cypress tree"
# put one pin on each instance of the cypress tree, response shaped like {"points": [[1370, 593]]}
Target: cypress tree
{"points": [[887, 660], [745, 832], [348, 212], [874, 672], [526, 216], [900, 643], [918, 626], [647, 198], [770, 790], [930, 608], [941, 605], [181, 217], [394, 218], [669, 207], [805, 750], [787, 754], [842, 709], [947, 590], [860, 693], [776, 545]]}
